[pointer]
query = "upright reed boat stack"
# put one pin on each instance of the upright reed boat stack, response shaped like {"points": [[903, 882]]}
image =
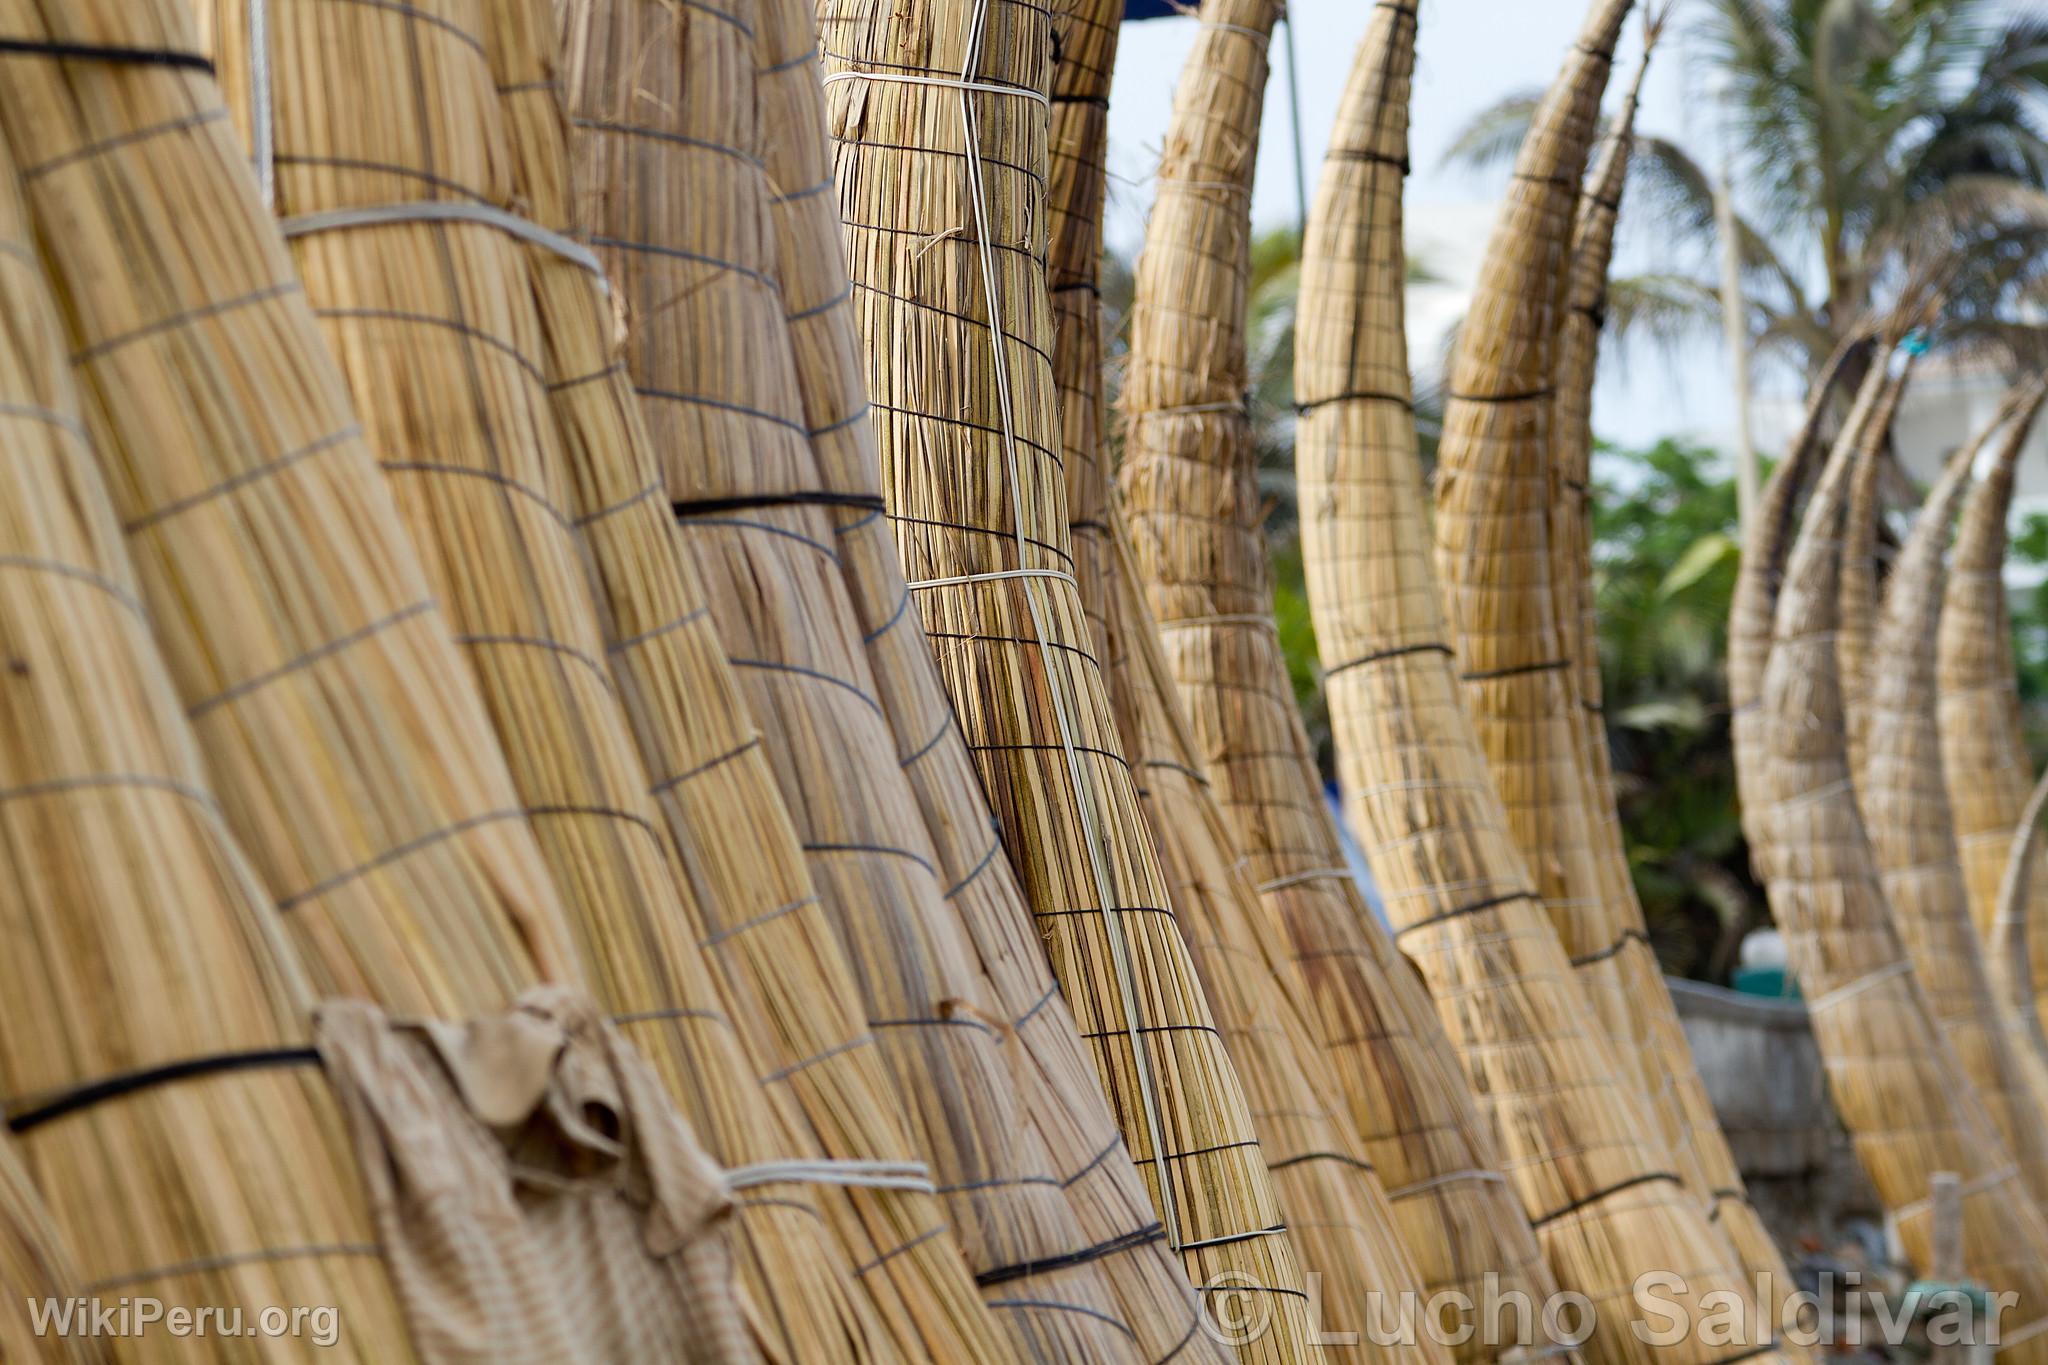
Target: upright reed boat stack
{"points": [[1894, 1079], [1597, 1184], [1983, 751], [533, 499], [1188, 481]]}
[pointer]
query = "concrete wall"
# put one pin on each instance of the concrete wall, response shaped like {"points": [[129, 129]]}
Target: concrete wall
{"points": [[1763, 1071]]}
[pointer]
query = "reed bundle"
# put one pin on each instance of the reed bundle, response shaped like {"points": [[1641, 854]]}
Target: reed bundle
{"points": [[940, 117], [1077, 189], [1983, 751], [352, 755], [1376, 1031], [153, 1017], [1895, 1081], [1322, 1172], [1063, 1102], [1687, 1110], [1769, 540], [2014, 891], [493, 464], [34, 1265], [1492, 543], [1859, 574], [1579, 1144], [1905, 808], [675, 122]]}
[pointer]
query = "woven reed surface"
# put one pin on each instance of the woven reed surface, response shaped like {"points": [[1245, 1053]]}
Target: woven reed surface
{"points": [[501, 527], [138, 936], [1373, 1028], [1893, 1078], [1119, 1235], [1492, 507], [780, 595], [1906, 810], [1579, 1144], [1977, 704], [297, 623], [1773, 523], [34, 1264], [943, 194], [1859, 576], [2014, 889], [1077, 189], [1329, 1191], [1982, 752], [1686, 1108]]}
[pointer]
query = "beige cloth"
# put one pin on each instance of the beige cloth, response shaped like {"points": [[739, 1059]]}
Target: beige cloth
{"points": [[539, 1199]]}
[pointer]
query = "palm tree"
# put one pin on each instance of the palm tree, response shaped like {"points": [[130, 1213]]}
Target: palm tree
{"points": [[1874, 139]]}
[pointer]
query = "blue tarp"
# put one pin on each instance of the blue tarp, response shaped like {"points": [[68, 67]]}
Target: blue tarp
{"points": [[1151, 9]]}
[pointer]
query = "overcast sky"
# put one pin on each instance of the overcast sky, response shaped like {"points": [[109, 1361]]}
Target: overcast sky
{"points": [[1470, 53]]}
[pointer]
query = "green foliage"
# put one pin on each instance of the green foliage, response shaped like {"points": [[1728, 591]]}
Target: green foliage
{"points": [[2030, 627], [1873, 139], [1665, 562]]}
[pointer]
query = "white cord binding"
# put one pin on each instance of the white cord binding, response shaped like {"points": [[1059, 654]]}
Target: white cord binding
{"points": [[1902, 967], [962, 580], [913, 1176], [262, 137], [447, 211], [1112, 920], [979, 87]]}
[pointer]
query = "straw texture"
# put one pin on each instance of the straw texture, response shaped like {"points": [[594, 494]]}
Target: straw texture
{"points": [[1906, 811], [1493, 497], [2013, 892], [1374, 1030], [1120, 1235], [1859, 576], [479, 463], [352, 755], [136, 937], [1578, 1143], [1896, 1083], [34, 1265], [1322, 1174], [757, 505], [848, 760], [1773, 523], [1685, 1107], [1077, 189], [1983, 752], [942, 191]]}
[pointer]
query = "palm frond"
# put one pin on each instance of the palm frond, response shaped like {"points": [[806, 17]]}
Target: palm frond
{"points": [[1491, 137]]}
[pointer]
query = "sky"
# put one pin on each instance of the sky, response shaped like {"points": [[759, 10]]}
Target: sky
{"points": [[1470, 53]]}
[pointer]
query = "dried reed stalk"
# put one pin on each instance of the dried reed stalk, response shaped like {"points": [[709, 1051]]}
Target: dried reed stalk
{"points": [[1579, 1142], [1077, 190], [1859, 575], [1906, 811], [138, 944], [1375, 1031], [352, 755], [1896, 1083], [1119, 1236], [1983, 751], [34, 1265], [1322, 1172], [483, 467], [675, 121], [2014, 890], [1492, 543], [1772, 525], [943, 192], [1685, 1106]]}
